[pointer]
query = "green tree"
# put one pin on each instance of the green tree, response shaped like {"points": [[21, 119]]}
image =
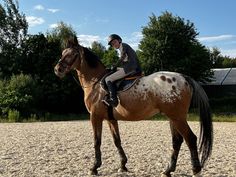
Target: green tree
{"points": [[216, 58], [13, 29], [220, 61], [62, 32], [228, 62], [39, 56], [98, 49], [17, 93], [110, 57], [169, 43], [63, 95]]}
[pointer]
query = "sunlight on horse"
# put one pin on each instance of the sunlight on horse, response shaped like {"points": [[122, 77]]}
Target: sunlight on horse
{"points": [[161, 92]]}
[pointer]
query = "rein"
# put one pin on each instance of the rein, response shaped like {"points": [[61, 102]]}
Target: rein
{"points": [[80, 84]]}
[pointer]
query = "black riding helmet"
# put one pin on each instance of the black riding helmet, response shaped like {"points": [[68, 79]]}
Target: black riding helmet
{"points": [[112, 37]]}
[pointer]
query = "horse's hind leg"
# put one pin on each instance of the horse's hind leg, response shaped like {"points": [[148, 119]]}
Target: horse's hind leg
{"points": [[191, 140], [113, 124], [177, 140]]}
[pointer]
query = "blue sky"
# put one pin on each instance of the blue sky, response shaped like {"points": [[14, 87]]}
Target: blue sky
{"points": [[94, 20]]}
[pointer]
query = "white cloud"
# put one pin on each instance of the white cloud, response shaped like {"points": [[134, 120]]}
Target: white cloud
{"points": [[216, 38], [39, 7], [134, 40], [225, 43], [228, 52], [87, 40], [53, 25], [53, 10], [33, 21], [137, 35]]}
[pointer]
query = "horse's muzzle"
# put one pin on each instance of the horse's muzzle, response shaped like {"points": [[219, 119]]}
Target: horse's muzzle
{"points": [[59, 71]]}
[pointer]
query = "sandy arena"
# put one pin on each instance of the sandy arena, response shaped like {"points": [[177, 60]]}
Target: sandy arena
{"points": [[65, 149]]}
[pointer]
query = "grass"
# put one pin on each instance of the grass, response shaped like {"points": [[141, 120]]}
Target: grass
{"points": [[216, 117], [68, 117], [47, 118]]}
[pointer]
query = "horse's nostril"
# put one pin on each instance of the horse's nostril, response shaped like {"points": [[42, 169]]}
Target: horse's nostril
{"points": [[57, 70]]}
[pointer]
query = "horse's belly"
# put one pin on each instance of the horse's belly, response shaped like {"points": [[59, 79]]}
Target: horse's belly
{"points": [[135, 113]]}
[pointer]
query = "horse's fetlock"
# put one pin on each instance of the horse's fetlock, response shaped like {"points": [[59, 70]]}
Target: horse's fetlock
{"points": [[164, 174], [197, 170]]}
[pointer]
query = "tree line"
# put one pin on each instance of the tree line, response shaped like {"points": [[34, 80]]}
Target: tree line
{"points": [[29, 87]]}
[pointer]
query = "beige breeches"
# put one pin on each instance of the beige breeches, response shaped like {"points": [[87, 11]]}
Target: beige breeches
{"points": [[120, 73]]}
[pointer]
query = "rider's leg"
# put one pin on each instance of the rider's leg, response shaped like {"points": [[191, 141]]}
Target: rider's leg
{"points": [[120, 73]]}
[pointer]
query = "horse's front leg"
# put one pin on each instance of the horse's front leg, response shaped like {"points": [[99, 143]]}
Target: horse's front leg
{"points": [[97, 131], [113, 124]]}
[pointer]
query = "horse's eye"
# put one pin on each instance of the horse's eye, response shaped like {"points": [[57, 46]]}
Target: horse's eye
{"points": [[63, 64]]}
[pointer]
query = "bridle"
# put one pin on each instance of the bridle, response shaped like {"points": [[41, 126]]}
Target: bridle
{"points": [[67, 66]]}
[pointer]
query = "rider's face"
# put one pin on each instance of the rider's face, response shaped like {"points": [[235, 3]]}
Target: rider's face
{"points": [[115, 43]]}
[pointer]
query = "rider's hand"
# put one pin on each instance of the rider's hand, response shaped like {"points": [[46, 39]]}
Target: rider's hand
{"points": [[113, 68]]}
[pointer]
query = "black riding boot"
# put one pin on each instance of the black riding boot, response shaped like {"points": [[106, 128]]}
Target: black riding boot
{"points": [[112, 101]]}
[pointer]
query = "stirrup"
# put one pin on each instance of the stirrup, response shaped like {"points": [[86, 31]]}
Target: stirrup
{"points": [[110, 102]]}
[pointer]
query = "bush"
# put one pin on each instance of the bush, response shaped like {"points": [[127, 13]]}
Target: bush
{"points": [[13, 116], [17, 94]]}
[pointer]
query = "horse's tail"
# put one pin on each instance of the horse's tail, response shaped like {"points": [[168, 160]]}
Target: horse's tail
{"points": [[200, 100]]}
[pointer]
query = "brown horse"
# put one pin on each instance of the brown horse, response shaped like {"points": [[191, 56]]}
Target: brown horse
{"points": [[166, 92]]}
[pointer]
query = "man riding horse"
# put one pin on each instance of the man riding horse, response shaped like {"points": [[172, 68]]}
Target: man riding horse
{"points": [[128, 63]]}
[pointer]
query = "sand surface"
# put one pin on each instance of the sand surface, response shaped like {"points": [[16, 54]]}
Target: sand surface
{"points": [[65, 149]]}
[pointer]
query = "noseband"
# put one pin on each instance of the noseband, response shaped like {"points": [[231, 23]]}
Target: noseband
{"points": [[67, 65]]}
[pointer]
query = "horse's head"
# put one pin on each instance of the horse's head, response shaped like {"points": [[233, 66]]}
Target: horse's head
{"points": [[69, 59], [68, 62], [79, 58]]}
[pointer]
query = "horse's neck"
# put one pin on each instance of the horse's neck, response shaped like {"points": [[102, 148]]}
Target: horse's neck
{"points": [[90, 76]]}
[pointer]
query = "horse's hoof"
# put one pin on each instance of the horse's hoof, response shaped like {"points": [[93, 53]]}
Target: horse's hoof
{"points": [[93, 172], [124, 169], [164, 175], [197, 175]]}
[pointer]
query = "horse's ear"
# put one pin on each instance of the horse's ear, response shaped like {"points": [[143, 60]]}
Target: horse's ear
{"points": [[72, 42]]}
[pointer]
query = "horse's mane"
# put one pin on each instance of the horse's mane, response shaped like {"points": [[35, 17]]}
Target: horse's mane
{"points": [[91, 58]]}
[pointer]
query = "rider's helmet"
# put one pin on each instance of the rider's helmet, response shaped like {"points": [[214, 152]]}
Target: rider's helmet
{"points": [[112, 37]]}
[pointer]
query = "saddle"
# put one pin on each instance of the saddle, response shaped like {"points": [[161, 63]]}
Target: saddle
{"points": [[122, 84]]}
